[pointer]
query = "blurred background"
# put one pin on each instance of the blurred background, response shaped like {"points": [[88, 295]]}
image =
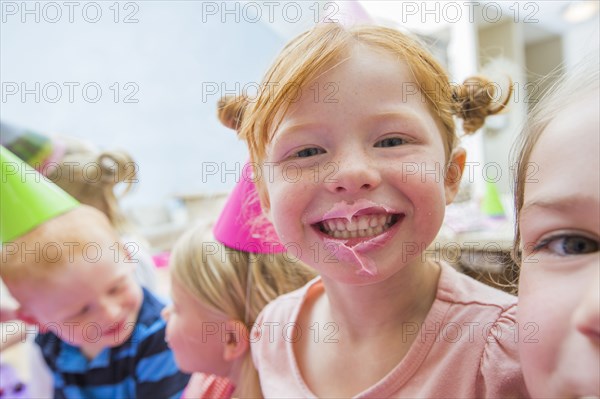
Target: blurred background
{"points": [[145, 77]]}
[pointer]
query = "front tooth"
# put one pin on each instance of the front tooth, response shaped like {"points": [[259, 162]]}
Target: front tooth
{"points": [[345, 234], [374, 221], [352, 226], [370, 231], [354, 233], [363, 223]]}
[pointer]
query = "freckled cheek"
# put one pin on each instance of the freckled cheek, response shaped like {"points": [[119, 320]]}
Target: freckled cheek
{"points": [[286, 212], [428, 203]]}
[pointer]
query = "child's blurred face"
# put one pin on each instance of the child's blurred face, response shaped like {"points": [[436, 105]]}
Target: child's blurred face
{"points": [[359, 166], [89, 305], [559, 289], [195, 333]]}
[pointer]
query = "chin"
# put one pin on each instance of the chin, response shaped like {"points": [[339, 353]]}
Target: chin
{"points": [[182, 364]]}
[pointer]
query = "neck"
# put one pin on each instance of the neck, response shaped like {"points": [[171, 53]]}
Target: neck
{"points": [[245, 378], [384, 307], [235, 374]]}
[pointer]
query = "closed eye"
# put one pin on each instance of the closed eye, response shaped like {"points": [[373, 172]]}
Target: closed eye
{"points": [[114, 290], [390, 142], [83, 310]]}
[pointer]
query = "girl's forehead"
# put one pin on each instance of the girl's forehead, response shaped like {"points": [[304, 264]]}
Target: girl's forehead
{"points": [[574, 129]]}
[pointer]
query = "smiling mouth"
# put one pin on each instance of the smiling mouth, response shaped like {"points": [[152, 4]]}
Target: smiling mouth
{"points": [[363, 226]]}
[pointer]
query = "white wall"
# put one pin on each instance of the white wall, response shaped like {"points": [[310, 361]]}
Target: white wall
{"points": [[581, 40], [169, 54]]}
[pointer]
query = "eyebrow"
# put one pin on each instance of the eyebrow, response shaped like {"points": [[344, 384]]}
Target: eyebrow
{"points": [[559, 204], [282, 133], [405, 116]]}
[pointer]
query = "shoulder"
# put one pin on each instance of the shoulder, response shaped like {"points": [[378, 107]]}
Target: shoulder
{"points": [[50, 347], [490, 315], [284, 307], [148, 336], [150, 309], [268, 334], [459, 289], [157, 374]]}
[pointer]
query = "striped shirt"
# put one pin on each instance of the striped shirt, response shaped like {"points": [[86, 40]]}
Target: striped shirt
{"points": [[141, 367]]}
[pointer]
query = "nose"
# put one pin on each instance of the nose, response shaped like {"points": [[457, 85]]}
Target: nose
{"points": [[111, 310], [351, 174], [166, 313], [587, 314]]}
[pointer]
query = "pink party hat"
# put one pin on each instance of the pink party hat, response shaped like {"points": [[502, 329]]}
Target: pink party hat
{"points": [[242, 224]]}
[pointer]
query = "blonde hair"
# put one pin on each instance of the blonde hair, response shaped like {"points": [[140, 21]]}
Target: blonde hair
{"points": [[91, 178], [583, 79], [237, 284], [58, 243], [326, 45]]}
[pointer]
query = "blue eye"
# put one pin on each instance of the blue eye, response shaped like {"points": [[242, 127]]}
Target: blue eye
{"points": [[390, 142], [309, 152], [568, 245]]}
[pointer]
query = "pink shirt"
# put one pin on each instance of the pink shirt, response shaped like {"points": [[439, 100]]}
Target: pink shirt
{"points": [[457, 352]]}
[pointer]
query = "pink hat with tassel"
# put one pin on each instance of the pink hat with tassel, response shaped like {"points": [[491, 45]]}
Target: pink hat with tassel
{"points": [[242, 225]]}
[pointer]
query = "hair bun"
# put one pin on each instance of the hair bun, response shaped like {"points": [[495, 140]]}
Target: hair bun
{"points": [[116, 167], [230, 110], [478, 98]]}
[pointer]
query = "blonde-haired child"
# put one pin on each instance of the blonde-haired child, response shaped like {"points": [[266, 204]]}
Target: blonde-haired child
{"points": [[220, 283], [101, 334], [558, 231], [91, 176], [356, 140]]}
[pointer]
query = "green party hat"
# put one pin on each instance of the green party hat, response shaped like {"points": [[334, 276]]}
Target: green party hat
{"points": [[27, 199], [492, 205]]}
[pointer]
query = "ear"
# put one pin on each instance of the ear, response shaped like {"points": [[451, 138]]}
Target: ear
{"points": [[454, 171], [237, 340]]}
